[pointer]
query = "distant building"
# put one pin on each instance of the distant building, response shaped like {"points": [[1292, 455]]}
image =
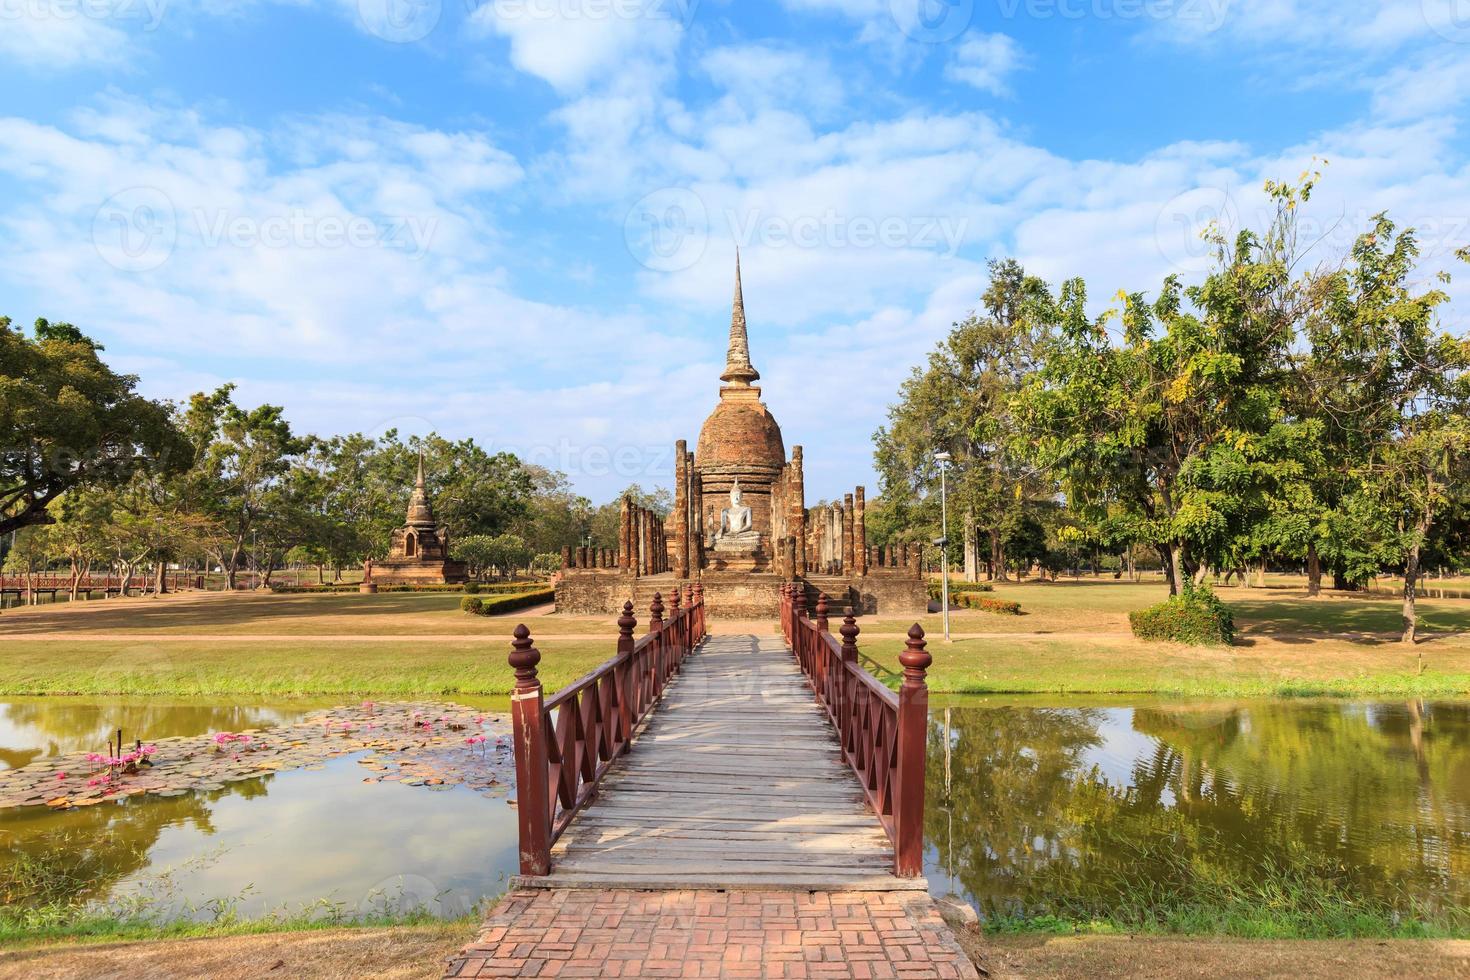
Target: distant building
{"points": [[419, 551]]}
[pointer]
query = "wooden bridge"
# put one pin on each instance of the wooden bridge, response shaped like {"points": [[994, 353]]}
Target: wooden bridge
{"points": [[720, 806], [689, 761], [24, 586]]}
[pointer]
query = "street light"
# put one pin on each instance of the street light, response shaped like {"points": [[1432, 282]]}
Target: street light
{"points": [[943, 458]]}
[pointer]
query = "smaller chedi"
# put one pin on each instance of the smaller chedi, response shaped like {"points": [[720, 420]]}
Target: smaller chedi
{"points": [[419, 551]]}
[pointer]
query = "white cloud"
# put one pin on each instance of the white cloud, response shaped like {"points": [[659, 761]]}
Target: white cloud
{"points": [[765, 75], [985, 61], [1412, 91], [571, 43], [38, 35]]}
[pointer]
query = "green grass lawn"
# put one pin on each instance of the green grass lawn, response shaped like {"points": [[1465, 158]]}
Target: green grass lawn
{"points": [[1073, 637]]}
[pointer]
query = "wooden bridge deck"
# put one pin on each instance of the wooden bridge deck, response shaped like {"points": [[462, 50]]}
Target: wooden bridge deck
{"points": [[736, 781]]}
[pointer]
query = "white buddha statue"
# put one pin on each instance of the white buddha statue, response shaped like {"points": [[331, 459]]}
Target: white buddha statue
{"points": [[737, 524]]}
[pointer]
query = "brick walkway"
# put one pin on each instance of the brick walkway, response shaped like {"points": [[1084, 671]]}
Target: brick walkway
{"points": [[619, 933]]}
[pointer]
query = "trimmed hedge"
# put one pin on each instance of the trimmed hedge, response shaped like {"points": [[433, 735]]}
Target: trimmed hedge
{"points": [[493, 587], [1195, 616], [494, 605], [968, 600], [955, 588]]}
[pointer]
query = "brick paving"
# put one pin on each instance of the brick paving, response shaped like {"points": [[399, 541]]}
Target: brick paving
{"points": [[622, 933]]}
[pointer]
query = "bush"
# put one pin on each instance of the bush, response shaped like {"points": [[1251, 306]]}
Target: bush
{"points": [[524, 585], [472, 588], [1195, 616], [472, 604], [969, 600], [955, 588], [505, 603]]}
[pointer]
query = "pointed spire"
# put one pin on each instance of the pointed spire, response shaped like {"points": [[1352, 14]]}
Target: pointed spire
{"points": [[738, 369], [419, 511]]}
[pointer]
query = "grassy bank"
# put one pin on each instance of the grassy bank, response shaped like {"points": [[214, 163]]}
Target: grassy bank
{"points": [[1072, 637]]}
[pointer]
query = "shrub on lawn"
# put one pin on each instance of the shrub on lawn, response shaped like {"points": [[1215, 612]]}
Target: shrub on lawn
{"points": [[472, 588], [1195, 616], [955, 588], [472, 604], [969, 600], [526, 585], [495, 605]]}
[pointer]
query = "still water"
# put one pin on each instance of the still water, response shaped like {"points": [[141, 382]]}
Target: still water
{"points": [[1077, 808], [1036, 805]]}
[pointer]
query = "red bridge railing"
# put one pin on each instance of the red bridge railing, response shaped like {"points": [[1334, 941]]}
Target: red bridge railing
{"points": [[564, 744], [882, 733]]}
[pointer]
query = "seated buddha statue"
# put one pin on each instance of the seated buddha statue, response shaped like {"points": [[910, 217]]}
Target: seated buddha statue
{"points": [[737, 526]]}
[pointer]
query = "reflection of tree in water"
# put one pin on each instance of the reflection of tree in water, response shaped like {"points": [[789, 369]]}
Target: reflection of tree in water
{"points": [[1348, 798], [69, 725], [80, 855]]}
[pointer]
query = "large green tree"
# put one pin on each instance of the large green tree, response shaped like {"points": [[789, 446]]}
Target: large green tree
{"points": [[68, 419]]}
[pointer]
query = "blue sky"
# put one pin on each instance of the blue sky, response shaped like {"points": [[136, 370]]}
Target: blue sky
{"points": [[516, 219]]}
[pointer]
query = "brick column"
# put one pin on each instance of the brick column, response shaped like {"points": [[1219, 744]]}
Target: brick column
{"points": [[625, 535], [860, 530], [797, 517], [696, 513], [681, 509], [849, 561]]}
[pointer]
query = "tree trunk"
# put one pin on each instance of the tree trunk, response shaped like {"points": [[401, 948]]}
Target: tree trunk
{"points": [[1411, 577], [972, 553], [1261, 573], [1166, 560], [162, 586], [125, 580], [76, 579], [1314, 571]]}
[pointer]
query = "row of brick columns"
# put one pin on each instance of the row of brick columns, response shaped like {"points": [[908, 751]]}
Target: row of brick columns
{"points": [[643, 540], [849, 554], [588, 557]]}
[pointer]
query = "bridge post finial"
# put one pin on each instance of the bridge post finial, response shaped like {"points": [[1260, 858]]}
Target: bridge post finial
{"points": [[849, 633], [913, 730], [822, 611], [656, 612], [798, 602], [674, 603], [533, 805]]}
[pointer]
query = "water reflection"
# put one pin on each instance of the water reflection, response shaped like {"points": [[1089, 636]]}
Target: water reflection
{"points": [[35, 728], [281, 842], [1083, 809]]}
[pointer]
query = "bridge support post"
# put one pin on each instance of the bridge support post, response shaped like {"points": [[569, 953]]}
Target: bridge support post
{"points": [[624, 677], [533, 788], [913, 731]]}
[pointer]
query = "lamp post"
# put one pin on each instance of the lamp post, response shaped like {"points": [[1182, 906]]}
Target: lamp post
{"points": [[943, 458]]}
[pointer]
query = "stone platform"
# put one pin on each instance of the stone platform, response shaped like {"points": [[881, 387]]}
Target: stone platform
{"points": [[741, 595]]}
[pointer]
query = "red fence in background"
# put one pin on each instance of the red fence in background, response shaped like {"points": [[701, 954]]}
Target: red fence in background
{"points": [[92, 583], [883, 734], [564, 744]]}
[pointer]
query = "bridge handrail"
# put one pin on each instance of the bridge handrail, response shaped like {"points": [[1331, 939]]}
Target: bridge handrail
{"points": [[564, 744], [882, 733]]}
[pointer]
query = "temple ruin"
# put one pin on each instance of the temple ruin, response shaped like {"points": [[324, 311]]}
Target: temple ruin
{"points": [[740, 524]]}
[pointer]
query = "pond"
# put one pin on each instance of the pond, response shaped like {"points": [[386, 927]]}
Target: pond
{"points": [[1037, 806], [1079, 809], [319, 839]]}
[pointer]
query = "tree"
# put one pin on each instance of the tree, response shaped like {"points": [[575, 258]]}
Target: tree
{"points": [[79, 533], [1178, 430], [961, 402], [68, 419], [244, 456]]}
